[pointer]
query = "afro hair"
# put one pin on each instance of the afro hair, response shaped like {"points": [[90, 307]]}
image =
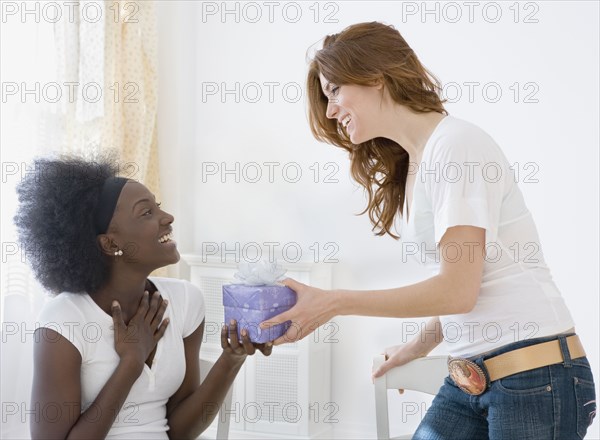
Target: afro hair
{"points": [[55, 222]]}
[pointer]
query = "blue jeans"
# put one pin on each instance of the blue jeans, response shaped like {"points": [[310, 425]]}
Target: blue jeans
{"points": [[556, 402]]}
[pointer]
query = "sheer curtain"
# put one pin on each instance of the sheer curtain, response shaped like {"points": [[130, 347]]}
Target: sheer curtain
{"points": [[74, 86]]}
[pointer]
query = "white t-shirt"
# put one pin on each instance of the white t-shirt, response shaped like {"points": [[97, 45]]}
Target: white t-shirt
{"points": [[465, 179], [81, 321]]}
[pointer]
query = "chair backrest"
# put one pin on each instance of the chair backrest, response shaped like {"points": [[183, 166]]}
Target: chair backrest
{"points": [[222, 419], [425, 374]]}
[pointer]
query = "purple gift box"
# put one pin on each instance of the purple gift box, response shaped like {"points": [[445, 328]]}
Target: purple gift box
{"points": [[251, 305]]}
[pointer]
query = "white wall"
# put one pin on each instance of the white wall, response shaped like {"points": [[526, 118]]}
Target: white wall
{"points": [[557, 55]]}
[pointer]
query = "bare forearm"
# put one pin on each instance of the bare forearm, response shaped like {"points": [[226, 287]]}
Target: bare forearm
{"points": [[195, 413], [428, 338], [96, 421], [433, 297]]}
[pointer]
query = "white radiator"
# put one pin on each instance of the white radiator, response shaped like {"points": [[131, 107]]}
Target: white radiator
{"points": [[287, 393]]}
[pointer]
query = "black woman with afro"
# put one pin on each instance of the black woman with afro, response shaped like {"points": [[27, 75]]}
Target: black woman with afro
{"points": [[117, 351]]}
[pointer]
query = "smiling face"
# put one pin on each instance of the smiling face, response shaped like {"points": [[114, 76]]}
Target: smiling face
{"points": [[142, 230], [356, 108]]}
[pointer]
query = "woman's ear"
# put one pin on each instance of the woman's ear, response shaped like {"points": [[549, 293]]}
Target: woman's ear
{"points": [[107, 245]]}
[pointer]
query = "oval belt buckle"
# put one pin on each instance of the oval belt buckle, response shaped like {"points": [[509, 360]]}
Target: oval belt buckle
{"points": [[467, 375]]}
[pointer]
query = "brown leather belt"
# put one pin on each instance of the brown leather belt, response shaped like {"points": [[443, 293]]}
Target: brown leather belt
{"points": [[470, 378]]}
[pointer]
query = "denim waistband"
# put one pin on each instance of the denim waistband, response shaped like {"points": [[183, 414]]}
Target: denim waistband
{"points": [[525, 343]]}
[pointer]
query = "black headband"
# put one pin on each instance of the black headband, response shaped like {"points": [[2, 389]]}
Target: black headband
{"points": [[108, 202]]}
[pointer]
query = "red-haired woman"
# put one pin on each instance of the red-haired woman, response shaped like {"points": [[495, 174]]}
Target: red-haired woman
{"points": [[452, 192]]}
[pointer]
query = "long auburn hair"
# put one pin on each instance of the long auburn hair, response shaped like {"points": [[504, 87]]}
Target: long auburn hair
{"points": [[367, 54]]}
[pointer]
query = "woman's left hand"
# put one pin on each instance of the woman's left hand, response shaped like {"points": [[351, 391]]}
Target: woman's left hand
{"points": [[236, 350]]}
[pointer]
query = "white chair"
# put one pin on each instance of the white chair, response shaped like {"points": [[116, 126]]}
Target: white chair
{"points": [[222, 419], [425, 374]]}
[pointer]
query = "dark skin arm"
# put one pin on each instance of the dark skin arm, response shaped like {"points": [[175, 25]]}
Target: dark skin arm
{"points": [[193, 407], [57, 376]]}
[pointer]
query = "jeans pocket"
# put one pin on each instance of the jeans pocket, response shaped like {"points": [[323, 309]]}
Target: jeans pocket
{"points": [[527, 382], [585, 395]]}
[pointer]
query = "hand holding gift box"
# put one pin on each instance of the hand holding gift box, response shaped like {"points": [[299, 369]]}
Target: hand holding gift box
{"points": [[256, 299]]}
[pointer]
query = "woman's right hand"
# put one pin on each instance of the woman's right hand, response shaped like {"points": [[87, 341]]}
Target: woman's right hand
{"points": [[135, 341], [394, 357], [235, 350]]}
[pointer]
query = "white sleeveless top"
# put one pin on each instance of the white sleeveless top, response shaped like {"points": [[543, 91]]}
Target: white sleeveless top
{"points": [[82, 322], [465, 179]]}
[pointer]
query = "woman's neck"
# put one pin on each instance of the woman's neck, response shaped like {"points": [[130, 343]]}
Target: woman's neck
{"points": [[127, 288], [409, 129]]}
